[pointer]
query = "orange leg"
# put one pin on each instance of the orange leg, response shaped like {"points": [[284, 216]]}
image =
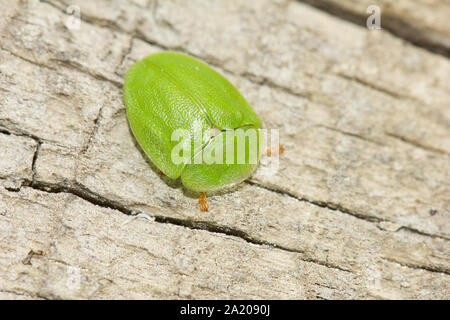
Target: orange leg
{"points": [[30, 255], [203, 203], [280, 151]]}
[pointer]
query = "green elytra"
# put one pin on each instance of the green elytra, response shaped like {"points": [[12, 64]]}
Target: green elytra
{"points": [[168, 91]]}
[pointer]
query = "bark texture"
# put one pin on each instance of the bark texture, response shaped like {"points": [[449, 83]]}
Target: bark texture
{"points": [[359, 208]]}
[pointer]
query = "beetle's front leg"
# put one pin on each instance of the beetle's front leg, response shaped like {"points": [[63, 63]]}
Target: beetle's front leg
{"points": [[203, 202]]}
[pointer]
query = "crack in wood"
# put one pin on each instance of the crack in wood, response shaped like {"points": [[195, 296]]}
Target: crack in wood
{"points": [[397, 26], [374, 87], [416, 143], [78, 67], [96, 199], [25, 294], [322, 204], [94, 131], [351, 134], [339, 208], [419, 267], [34, 161]]}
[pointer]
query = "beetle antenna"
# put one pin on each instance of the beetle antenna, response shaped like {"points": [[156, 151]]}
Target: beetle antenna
{"points": [[280, 151]]}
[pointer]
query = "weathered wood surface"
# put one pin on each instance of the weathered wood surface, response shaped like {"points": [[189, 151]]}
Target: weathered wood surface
{"points": [[423, 22], [360, 207]]}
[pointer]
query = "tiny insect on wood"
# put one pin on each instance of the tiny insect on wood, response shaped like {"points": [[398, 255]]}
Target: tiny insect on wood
{"points": [[169, 91]]}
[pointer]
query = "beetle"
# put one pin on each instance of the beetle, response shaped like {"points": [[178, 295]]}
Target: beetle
{"points": [[169, 91]]}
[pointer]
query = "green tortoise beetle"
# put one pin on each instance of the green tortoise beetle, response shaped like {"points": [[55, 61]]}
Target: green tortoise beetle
{"points": [[176, 104]]}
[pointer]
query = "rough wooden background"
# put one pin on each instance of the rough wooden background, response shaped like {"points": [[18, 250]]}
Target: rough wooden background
{"points": [[360, 207]]}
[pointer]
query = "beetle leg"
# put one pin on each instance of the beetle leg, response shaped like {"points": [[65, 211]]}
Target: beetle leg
{"points": [[203, 203], [280, 151], [30, 255]]}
